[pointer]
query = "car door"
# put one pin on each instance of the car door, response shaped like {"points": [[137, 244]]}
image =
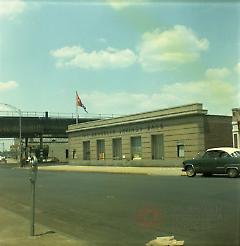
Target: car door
{"points": [[223, 160], [209, 162]]}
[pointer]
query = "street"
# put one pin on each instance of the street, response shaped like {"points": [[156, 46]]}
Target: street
{"points": [[124, 209]]}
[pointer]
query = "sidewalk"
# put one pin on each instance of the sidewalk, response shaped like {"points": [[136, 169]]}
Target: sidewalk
{"points": [[15, 231], [161, 171]]}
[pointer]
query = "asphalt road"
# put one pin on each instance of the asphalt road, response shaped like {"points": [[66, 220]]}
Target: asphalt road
{"points": [[115, 209]]}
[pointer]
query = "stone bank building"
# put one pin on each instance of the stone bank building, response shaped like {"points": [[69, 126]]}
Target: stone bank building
{"points": [[158, 138]]}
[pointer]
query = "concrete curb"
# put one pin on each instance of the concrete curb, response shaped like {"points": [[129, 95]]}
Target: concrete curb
{"points": [[154, 171]]}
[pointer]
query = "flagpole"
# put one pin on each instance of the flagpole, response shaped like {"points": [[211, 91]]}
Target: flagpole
{"points": [[76, 109], [76, 114]]}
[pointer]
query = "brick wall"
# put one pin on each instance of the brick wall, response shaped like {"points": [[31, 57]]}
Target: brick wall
{"points": [[218, 131]]}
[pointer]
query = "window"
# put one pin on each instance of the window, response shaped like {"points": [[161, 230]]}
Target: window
{"points": [[236, 154], [86, 150], [224, 154], [180, 150], [157, 147], [101, 149], [136, 148], [235, 140], [117, 148], [211, 154], [66, 153], [74, 154]]}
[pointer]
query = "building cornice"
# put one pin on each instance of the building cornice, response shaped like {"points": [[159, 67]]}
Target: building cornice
{"points": [[186, 110]]}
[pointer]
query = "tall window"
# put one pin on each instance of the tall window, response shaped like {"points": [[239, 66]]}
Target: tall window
{"points": [[117, 148], [235, 140], [136, 148], [66, 153], [74, 154], [86, 150], [101, 149], [180, 150], [157, 147]]}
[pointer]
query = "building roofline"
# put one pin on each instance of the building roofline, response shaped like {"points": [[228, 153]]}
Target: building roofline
{"points": [[217, 115], [164, 109], [184, 110]]}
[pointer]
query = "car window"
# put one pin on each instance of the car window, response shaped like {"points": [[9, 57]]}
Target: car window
{"points": [[236, 154], [212, 154], [224, 154], [199, 155]]}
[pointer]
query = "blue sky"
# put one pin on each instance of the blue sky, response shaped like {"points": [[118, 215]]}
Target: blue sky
{"points": [[121, 57]]}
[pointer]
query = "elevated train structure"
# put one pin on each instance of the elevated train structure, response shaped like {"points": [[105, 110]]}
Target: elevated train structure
{"points": [[36, 126], [30, 125]]}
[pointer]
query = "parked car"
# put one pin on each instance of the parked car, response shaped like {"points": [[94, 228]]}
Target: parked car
{"points": [[3, 159], [224, 160]]}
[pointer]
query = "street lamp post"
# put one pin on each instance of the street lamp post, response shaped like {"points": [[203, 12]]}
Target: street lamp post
{"points": [[20, 135], [20, 128]]}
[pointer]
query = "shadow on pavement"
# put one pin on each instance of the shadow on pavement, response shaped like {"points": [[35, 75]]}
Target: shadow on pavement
{"points": [[45, 233], [217, 176]]}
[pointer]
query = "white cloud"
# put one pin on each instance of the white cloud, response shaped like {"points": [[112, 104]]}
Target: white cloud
{"points": [[118, 102], [102, 40], [218, 96], [157, 51], [164, 50], [76, 56], [9, 9], [118, 5], [121, 4], [67, 52], [217, 73], [217, 91], [8, 85], [237, 68]]}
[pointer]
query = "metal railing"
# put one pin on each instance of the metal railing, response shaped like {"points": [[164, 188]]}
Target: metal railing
{"points": [[56, 115]]}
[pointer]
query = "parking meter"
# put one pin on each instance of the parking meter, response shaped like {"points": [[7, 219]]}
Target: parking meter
{"points": [[33, 173], [33, 178]]}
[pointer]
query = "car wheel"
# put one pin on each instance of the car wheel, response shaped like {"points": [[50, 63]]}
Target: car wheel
{"points": [[190, 171], [232, 172]]}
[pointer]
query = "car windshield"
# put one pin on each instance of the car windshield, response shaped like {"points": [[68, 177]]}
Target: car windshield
{"points": [[199, 155], [236, 154]]}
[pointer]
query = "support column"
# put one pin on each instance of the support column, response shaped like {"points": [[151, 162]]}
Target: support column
{"points": [[41, 149], [26, 149]]}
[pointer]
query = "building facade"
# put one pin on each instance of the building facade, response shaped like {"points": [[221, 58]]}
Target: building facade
{"points": [[236, 127], [159, 138]]}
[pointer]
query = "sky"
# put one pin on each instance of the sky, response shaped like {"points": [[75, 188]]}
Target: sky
{"points": [[122, 57]]}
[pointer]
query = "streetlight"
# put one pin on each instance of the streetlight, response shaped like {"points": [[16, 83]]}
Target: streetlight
{"points": [[20, 127]]}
